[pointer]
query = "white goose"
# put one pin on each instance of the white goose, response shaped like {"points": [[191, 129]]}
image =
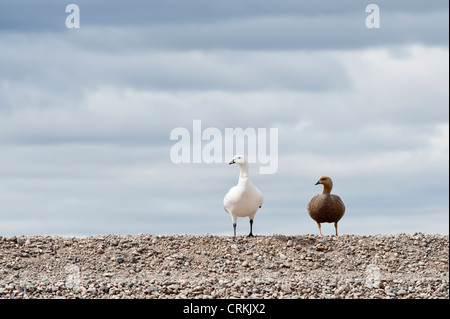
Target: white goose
{"points": [[244, 199]]}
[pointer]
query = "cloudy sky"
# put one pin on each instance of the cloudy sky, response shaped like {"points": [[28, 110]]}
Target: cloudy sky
{"points": [[86, 114]]}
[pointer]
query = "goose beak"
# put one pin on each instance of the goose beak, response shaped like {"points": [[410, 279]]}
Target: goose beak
{"points": [[318, 182], [232, 162]]}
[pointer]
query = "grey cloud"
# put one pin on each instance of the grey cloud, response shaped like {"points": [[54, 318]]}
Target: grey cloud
{"points": [[271, 32], [205, 25], [346, 31], [85, 115], [70, 69], [50, 14]]}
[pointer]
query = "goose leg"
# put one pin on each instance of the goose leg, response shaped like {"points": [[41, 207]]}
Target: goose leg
{"points": [[234, 228], [251, 226], [320, 231], [335, 226]]}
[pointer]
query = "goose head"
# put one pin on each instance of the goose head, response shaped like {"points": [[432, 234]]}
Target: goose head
{"points": [[242, 162], [238, 159]]}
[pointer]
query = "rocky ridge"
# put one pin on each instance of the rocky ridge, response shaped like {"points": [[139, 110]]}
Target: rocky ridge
{"points": [[207, 266]]}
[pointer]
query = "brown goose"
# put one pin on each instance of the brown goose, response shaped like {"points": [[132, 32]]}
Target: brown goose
{"points": [[326, 207]]}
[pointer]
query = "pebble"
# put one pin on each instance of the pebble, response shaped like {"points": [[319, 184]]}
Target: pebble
{"points": [[402, 292], [206, 266], [120, 259], [286, 288]]}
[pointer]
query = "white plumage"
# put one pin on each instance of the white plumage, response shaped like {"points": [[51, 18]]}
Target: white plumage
{"points": [[244, 199]]}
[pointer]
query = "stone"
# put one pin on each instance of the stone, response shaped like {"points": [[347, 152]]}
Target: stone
{"points": [[208, 266]]}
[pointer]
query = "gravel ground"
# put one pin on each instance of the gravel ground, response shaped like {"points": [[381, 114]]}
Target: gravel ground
{"points": [[206, 266]]}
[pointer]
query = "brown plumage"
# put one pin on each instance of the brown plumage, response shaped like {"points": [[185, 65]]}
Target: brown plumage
{"points": [[326, 207]]}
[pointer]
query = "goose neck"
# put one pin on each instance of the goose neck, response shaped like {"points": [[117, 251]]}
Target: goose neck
{"points": [[327, 189], [244, 171]]}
